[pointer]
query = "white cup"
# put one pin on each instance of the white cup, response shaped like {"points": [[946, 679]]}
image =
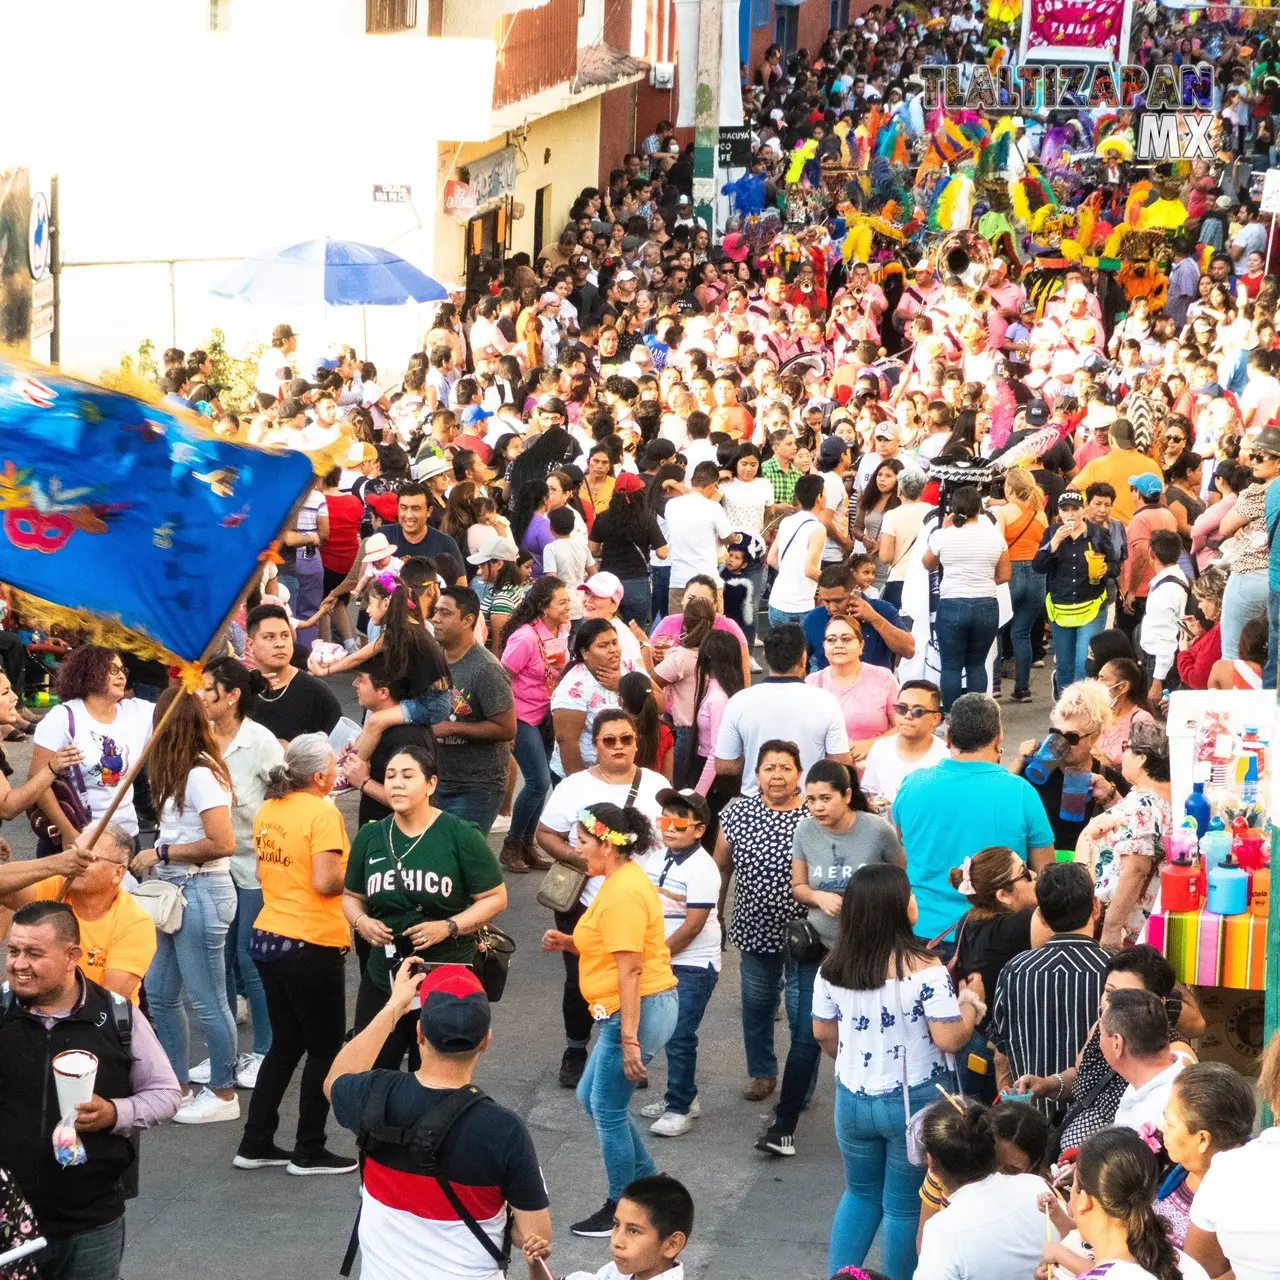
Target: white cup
{"points": [[74, 1074]]}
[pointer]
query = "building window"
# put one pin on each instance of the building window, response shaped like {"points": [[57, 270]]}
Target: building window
{"points": [[219, 15], [759, 13], [383, 17]]}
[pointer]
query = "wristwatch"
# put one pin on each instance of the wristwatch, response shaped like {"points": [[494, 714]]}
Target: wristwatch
{"points": [[452, 926]]}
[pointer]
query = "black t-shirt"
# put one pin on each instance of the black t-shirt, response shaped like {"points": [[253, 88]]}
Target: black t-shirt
{"points": [[624, 556], [392, 740], [434, 543], [987, 945], [304, 705], [427, 667], [1066, 832]]}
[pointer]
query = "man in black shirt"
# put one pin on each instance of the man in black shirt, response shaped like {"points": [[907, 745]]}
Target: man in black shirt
{"points": [[373, 691], [295, 702], [412, 535]]}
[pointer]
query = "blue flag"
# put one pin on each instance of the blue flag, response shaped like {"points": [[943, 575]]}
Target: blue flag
{"points": [[127, 511]]}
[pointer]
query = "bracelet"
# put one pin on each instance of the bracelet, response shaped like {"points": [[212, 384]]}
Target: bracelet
{"points": [[364, 915], [1062, 1084], [631, 1044], [56, 773]]}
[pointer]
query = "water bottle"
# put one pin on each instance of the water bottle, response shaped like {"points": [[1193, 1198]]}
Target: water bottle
{"points": [[1046, 758], [1197, 807]]}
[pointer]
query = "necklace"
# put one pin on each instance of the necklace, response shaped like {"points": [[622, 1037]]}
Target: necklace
{"points": [[279, 693], [391, 845]]}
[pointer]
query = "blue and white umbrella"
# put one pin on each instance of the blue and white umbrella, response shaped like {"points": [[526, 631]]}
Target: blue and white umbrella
{"points": [[341, 273]]}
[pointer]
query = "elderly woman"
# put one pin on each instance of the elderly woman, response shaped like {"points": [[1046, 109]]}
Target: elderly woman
{"points": [[1125, 845], [899, 531]]}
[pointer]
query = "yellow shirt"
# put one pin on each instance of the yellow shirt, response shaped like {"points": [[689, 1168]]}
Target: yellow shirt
{"points": [[124, 938], [286, 835], [626, 915], [1115, 468]]}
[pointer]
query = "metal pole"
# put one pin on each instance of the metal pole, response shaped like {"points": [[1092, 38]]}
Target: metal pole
{"points": [[55, 270], [173, 304], [706, 134]]}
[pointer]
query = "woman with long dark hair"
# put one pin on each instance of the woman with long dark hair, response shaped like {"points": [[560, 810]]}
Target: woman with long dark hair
{"points": [[530, 526], [719, 676], [655, 743], [544, 453], [879, 496], [885, 1010], [622, 539], [191, 790]]}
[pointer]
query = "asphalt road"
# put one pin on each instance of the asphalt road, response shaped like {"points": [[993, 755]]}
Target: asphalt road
{"points": [[758, 1217]]}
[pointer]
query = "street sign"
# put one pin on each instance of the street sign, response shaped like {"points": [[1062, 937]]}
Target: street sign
{"points": [[38, 237], [1270, 202], [42, 293], [735, 146], [41, 322], [391, 193]]}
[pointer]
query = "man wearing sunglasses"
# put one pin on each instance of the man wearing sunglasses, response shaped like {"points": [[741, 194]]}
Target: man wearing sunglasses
{"points": [[915, 745]]}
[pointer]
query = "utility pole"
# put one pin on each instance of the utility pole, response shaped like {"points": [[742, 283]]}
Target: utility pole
{"points": [[706, 134], [55, 269]]}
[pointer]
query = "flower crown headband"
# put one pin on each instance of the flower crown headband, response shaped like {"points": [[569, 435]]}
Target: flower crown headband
{"points": [[594, 827]]}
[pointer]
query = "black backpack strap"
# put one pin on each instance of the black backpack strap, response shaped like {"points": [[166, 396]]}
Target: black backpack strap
{"points": [[373, 1126], [122, 1018]]}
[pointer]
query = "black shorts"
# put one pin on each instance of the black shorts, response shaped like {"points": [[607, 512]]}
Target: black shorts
{"points": [[333, 578]]}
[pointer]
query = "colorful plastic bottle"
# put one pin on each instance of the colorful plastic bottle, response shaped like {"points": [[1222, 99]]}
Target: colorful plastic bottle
{"points": [[1260, 892], [1046, 758], [1250, 849], [1180, 886], [1228, 889], [1249, 785], [1197, 807]]}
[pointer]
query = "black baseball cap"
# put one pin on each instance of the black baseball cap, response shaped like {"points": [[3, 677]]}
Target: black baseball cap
{"points": [[1037, 413]]}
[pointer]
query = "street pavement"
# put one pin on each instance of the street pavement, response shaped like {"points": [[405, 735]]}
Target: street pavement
{"points": [[758, 1217]]}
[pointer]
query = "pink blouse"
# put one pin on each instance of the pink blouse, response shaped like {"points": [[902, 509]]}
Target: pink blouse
{"points": [[678, 672], [709, 716], [867, 704], [534, 657]]}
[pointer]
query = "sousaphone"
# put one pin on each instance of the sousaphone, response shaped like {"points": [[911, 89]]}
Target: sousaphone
{"points": [[964, 258]]}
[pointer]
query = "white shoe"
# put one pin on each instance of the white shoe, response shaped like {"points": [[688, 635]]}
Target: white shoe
{"points": [[755, 667], [671, 1125], [199, 1074], [501, 825], [242, 1017], [247, 1065], [206, 1107], [655, 1109]]}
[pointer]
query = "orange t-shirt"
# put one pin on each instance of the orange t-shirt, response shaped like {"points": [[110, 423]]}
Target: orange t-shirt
{"points": [[124, 938], [626, 915], [286, 836], [733, 420]]}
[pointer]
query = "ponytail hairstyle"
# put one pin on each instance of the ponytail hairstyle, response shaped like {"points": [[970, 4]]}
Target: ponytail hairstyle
{"points": [[1215, 1099], [965, 505], [961, 1141], [406, 642], [1019, 483], [1120, 1172], [232, 676], [626, 831], [635, 692], [988, 875], [839, 778], [1023, 1127], [528, 497], [307, 755]]}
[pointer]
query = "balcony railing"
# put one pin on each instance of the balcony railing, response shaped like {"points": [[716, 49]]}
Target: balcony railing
{"points": [[539, 49]]}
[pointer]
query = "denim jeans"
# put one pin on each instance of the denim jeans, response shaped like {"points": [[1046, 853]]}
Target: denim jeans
{"points": [[760, 977], [480, 807], [755, 576], [1247, 596], [309, 572], [87, 1255], [966, 627], [240, 963], [779, 618], [694, 988], [660, 579], [799, 1073], [880, 1183], [637, 601], [605, 1092], [1273, 639], [195, 958], [1026, 592], [1071, 650], [535, 771]]}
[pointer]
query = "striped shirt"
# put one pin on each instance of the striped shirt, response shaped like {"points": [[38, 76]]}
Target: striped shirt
{"points": [[969, 555], [1045, 1002]]}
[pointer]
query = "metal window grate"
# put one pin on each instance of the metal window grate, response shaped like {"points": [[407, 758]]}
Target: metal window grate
{"points": [[382, 17]]}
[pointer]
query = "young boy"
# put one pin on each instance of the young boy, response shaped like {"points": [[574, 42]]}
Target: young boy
{"points": [[688, 884], [651, 1227], [568, 559], [743, 552]]}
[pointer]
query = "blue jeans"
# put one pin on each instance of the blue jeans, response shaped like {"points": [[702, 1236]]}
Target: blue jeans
{"points": [[1273, 640], [800, 1072], [431, 708], [879, 1181], [778, 618], [966, 628], [1071, 650], [1247, 596], [87, 1255], [480, 807], [240, 962], [605, 1092], [1026, 591], [195, 958], [535, 770], [660, 578], [755, 576], [693, 990], [637, 602], [760, 977]]}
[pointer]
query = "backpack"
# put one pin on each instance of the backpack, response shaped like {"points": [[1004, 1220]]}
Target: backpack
{"points": [[424, 1140], [121, 1013]]}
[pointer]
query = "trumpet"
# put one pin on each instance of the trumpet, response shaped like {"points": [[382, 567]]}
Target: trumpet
{"points": [[858, 292]]}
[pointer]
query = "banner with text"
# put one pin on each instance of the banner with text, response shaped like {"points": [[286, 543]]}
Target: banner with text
{"points": [[1076, 30]]}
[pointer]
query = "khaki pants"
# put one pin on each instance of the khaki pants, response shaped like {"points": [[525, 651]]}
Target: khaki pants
{"points": [[675, 600]]}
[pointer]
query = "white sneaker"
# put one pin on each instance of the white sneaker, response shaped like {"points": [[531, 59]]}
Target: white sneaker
{"points": [[671, 1125], [199, 1074], [247, 1065], [206, 1107], [655, 1109], [501, 825], [242, 1017]]}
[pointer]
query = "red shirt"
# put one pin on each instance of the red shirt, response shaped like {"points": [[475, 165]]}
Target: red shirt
{"points": [[338, 553]]}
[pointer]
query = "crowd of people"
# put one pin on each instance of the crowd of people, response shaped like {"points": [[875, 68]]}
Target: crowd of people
{"points": [[694, 567]]}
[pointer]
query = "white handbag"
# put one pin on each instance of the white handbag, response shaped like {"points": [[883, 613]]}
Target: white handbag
{"points": [[163, 901]]}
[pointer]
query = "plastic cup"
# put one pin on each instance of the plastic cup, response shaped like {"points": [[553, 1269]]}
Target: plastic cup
{"points": [[74, 1073]]}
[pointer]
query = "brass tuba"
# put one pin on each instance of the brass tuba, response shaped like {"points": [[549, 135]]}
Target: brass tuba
{"points": [[964, 258]]}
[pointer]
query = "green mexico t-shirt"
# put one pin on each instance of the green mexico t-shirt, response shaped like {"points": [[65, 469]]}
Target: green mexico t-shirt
{"points": [[406, 880]]}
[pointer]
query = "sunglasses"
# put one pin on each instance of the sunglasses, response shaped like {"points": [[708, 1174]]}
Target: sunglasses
{"points": [[668, 822], [914, 713], [1026, 874], [1175, 439], [1071, 737], [1261, 457], [611, 741]]}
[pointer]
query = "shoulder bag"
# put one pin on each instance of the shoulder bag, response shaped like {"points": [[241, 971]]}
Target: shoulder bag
{"points": [[494, 950], [68, 794], [163, 901], [914, 1123], [562, 886]]}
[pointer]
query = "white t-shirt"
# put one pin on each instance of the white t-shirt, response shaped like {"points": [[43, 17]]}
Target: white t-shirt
{"points": [[745, 502], [1145, 1106], [696, 451], [692, 880], [581, 691], [204, 792], [904, 524], [793, 591], [568, 559], [1237, 1201], [695, 528], [272, 367], [629, 645], [885, 769], [808, 716], [871, 1038], [990, 1230], [1187, 1265], [108, 750], [968, 555], [578, 790], [837, 502]]}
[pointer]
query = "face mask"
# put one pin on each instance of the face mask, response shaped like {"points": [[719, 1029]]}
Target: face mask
{"points": [[1091, 667]]}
